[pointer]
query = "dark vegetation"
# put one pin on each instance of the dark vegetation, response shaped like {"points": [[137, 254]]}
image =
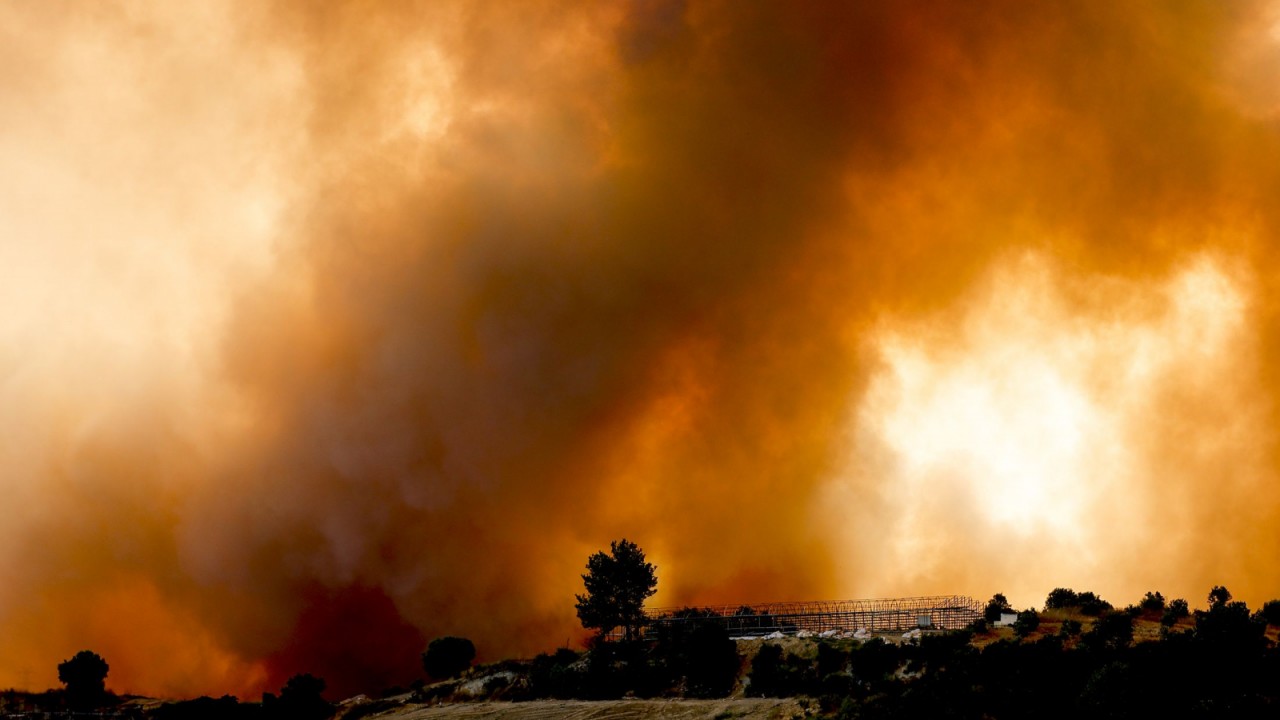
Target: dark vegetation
{"points": [[85, 676], [617, 585], [448, 657], [1078, 657]]}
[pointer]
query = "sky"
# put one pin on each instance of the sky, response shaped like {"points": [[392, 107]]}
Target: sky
{"points": [[330, 328]]}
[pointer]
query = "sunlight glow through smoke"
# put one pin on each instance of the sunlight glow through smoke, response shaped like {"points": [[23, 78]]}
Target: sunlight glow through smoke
{"points": [[1028, 418]]}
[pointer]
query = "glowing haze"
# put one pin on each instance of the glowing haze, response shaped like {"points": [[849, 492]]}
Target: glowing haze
{"points": [[326, 329]]}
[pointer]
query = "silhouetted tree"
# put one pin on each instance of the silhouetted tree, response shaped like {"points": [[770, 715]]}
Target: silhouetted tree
{"points": [[995, 606], [1270, 612], [1152, 602], [1219, 595], [85, 676], [301, 698], [617, 585], [1091, 604], [1061, 598], [448, 657]]}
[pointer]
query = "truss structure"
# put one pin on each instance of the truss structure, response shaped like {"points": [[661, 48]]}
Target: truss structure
{"points": [[943, 612]]}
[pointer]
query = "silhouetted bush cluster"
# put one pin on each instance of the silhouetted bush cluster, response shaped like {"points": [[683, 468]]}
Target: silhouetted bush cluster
{"points": [[690, 659], [1176, 610], [1028, 621], [226, 707], [1086, 602], [1223, 668], [1270, 612]]}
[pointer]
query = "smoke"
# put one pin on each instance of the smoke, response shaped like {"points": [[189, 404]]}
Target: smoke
{"points": [[329, 329]]}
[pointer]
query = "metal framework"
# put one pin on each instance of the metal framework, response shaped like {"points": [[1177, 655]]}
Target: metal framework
{"points": [[945, 612]]}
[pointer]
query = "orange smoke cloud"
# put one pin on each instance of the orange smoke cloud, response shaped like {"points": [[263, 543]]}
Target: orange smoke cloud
{"points": [[328, 330]]}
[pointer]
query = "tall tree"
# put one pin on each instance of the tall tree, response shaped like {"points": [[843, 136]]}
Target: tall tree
{"points": [[85, 676], [617, 585]]}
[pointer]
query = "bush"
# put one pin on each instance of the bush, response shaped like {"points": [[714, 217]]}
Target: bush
{"points": [[448, 657], [1112, 631], [301, 699], [695, 657], [1069, 628], [1060, 598], [555, 676], [615, 668], [873, 661], [1152, 602], [1091, 604], [831, 659], [1230, 625], [226, 707], [1027, 622], [773, 675], [1176, 610]]}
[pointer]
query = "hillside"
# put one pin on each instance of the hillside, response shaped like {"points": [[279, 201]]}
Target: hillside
{"points": [[744, 708]]}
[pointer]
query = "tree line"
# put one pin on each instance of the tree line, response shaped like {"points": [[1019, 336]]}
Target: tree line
{"points": [[1074, 657]]}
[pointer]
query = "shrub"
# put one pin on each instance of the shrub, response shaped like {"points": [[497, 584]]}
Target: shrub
{"points": [[773, 675], [1176, 610], [226, 707], [448, 657], [874, 660], [1112, 631], [711, 661], [1027, 622], [301, 699], [555, 675], [831, 659], [1069, 628], [1152, 602]]}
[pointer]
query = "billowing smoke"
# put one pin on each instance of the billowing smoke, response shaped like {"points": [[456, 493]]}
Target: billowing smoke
{"points": [[331, 328]]}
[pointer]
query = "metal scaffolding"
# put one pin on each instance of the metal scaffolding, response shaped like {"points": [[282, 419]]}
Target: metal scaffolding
{"points": [[944, 612]]}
